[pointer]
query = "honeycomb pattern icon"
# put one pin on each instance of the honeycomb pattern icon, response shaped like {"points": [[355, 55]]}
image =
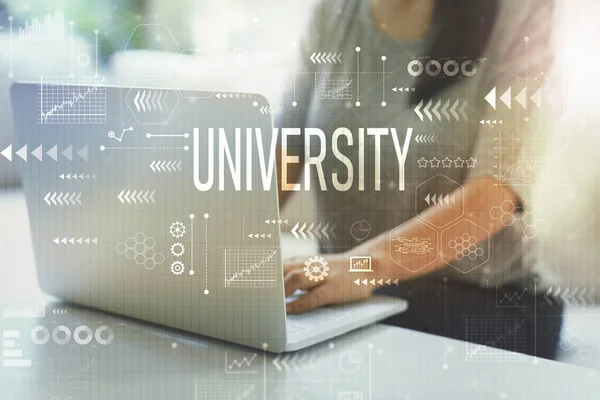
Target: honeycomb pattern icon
{"points": [[569, 341], [466, 246], [506, 214], [140, 248]]}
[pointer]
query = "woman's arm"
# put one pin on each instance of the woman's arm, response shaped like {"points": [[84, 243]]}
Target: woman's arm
{"points": [[479, 197]]}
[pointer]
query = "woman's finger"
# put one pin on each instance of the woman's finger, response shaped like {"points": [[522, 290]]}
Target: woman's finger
{"points": [[296, 280], [313, 299]]}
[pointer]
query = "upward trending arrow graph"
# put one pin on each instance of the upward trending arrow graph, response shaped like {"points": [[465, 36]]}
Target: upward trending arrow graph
{"points": [[70, 102]]}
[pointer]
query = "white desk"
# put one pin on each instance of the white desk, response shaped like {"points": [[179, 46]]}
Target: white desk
{"points": [[149, 362]]}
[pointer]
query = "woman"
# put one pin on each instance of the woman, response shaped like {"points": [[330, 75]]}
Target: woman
{"points": [[458, 238]]}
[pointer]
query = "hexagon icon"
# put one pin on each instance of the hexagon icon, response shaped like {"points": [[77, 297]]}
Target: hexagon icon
{"points": [[460, 249], [149, 263], [154, 37], [414, 253], [439, 191], [149, 104]]}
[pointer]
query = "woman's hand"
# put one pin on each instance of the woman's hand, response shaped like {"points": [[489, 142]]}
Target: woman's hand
{"points": [[335, 288]]}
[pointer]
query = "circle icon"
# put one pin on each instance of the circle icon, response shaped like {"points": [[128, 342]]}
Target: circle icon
{"points": [[100, 331], [316, 269], [351, 361], [65, 339], [45, 335], [177, 268], [177, 249], [360, 230], [89, 335], [177, 229]]}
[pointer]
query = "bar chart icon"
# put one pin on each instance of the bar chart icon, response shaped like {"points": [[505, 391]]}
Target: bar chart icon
{"points": [[50, 29], [11, 355], [360, 264]]}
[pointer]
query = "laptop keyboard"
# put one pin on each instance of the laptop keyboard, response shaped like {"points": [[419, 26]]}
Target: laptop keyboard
{"points": [[308, 320]]}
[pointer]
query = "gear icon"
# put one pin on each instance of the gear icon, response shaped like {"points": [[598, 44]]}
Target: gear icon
{"points": [[316, 269], [177, 229], [177, 249], [177, 268]]}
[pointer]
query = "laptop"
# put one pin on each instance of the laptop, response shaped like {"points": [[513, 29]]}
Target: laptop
{"points": [[119, 224]]}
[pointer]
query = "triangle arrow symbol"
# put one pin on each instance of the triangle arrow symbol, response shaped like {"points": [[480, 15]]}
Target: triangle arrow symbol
{"points": [[7, 153], [357, 282], [22, 153], [506, 98], [37, 153], [491, 98], [83, 153], [68, 153], [522, 98], [53, 153], [537, 98], [55, 240]]}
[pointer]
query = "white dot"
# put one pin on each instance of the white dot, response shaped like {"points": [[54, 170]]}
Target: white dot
{"points": [[102, 148], [96, 31], [255, 103], [445, 366], [148, 135], [358, 49], [265, 346], [191, 272], [331, 345], [206, 291], [383, 58], [383, 104], [186, 135], [527, 38], [206, 216], [192, 216], [526, 119], [357, 104], [535, 360], [186, 148], [174, 345], [10, 76], [294, 104]]}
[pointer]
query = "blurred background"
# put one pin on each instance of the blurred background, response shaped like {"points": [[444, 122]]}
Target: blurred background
{"points": [[249, 46]]}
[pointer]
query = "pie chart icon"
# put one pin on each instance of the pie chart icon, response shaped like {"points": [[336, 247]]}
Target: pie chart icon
{"points": [[360, 230], [351, 361]]}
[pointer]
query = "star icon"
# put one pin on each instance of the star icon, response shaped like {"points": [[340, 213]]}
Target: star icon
{"points": [[422, 162], [459, 162], [435, 163], [447, 163], [471, 162]]}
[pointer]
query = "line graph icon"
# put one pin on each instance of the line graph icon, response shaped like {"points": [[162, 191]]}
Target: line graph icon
{"points": [[487, 335], [78, 100], [240, 365], [336, 89], [249, 267], [506, 298]]}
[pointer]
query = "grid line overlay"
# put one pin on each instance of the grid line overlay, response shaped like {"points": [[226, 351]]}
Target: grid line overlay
{"points": [[487, 336], [249, 267], [230, 390], [336, 89], [72, 100]]}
